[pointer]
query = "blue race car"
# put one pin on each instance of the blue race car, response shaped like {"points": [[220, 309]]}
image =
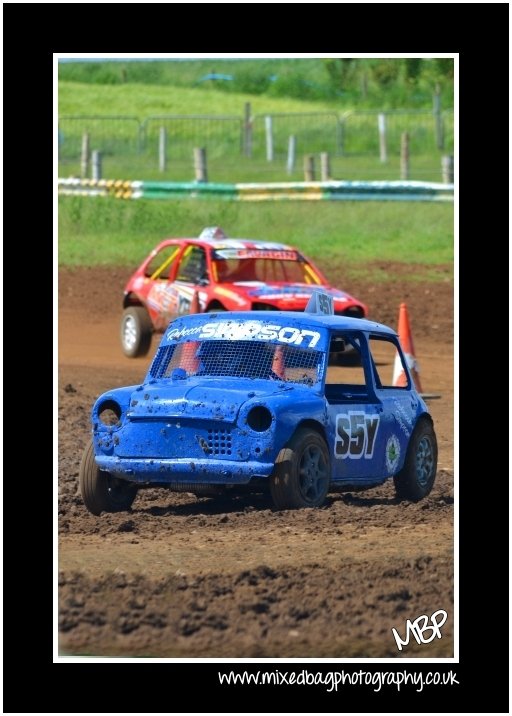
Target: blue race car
{"points": [[258, 401]]}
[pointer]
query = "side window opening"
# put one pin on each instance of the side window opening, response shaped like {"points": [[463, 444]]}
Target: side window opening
{"points": [[387, 364], [160, 265], [346, 379], [192, 268]]}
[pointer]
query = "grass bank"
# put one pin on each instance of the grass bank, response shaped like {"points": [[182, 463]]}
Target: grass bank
{"points": [[363, 82], [143, 100], [103, 231]]}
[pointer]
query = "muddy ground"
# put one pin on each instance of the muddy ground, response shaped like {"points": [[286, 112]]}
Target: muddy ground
{"points": [[181, 576]]}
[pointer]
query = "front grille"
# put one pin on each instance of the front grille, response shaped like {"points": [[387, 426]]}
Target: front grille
{"points": [[180, 438], [219, 441]]}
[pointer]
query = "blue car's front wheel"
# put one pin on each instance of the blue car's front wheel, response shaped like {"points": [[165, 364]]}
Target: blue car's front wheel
{"points": [[302, 472], [101, 492]]}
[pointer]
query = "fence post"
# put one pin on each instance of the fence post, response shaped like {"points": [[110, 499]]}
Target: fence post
{"points": [[340, 137], [438, 119], [269, 138], [382, 138], [404, 156], [364, 85], [162, 149], [325, 166], [141, 137], [200, 170], [309, 167], [84, 162], [96, 164], [290, 161], [447, 169], [247, 130]]}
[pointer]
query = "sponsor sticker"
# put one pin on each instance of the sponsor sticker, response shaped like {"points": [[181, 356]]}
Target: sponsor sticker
{"points": [[355, 435], [278, 254], [392, 453], [248, 330]]}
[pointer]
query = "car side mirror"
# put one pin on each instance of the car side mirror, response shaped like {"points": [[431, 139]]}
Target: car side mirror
{"points": [[202, 281]]}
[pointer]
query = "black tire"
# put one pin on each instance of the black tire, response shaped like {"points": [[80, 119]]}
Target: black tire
{"points": [[416, 479], [101, 492], [136, 331], [302, 472]]}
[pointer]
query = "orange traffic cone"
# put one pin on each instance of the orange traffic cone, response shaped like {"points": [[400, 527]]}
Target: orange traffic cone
{"points": [[194, 304], [405, 338]]}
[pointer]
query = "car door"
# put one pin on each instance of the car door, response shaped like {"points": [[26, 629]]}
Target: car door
{"points": [[161, 297], [399, 403], [192, 273], [354, 414], [175, 296]]}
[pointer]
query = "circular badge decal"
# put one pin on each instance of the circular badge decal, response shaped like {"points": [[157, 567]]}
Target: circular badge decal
{"points": [[392, 453]]}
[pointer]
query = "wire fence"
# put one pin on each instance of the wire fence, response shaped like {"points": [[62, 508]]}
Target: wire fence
{"points": [[313, 132], [221, 135], [259, 147], [112, 136], [360, 132]]}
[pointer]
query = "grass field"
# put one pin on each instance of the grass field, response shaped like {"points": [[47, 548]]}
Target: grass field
{"points": [[104, 231]]}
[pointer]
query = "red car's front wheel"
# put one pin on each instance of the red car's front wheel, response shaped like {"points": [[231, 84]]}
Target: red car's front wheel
{"points": [[136, 331]]}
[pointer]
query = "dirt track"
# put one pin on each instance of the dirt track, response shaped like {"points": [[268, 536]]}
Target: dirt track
{"points": [[186, 577]]}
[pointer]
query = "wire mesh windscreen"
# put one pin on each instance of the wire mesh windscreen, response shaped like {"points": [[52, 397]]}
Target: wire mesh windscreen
{"points": [[238, 359]]}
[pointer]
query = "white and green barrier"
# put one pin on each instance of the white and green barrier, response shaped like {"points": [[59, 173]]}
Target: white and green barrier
{"points": [[302, 191]]}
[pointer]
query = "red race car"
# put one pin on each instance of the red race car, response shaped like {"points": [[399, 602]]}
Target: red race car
{"points": [[214, 273]]}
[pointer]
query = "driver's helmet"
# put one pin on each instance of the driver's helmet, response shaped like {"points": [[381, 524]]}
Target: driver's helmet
{"points": [[216, 357], [224, 357]]}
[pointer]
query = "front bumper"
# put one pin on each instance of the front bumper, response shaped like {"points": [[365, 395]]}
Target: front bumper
{"points": [[158, 471]]}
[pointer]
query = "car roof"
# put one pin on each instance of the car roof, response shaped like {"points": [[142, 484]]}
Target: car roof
{"points": [[332, 322], [232, 244]]}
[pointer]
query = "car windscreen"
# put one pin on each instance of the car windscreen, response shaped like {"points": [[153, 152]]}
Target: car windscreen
{"points": [[239, 359], [238, 266]]}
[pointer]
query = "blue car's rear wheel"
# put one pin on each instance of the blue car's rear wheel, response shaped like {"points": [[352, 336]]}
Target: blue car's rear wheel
{"points": [[416, 479], [302, 472], [101, 491]]}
